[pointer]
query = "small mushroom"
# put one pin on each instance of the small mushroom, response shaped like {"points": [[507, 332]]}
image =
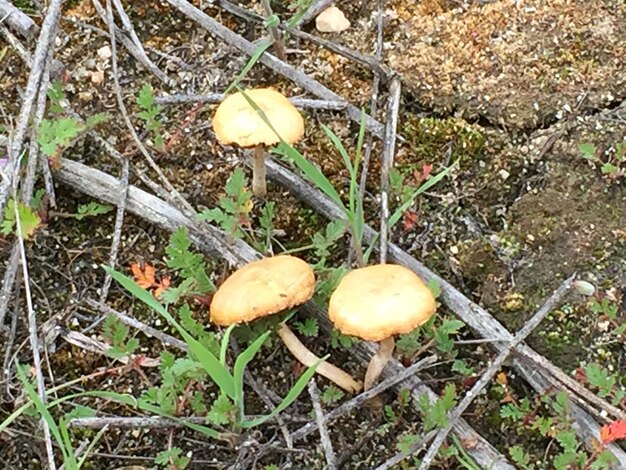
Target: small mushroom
{"points": [[237, 122], [269, 286], [331, 20], [377, 302]]}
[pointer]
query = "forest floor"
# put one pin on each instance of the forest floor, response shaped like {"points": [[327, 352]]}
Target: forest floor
{"points": [[525, 100]]}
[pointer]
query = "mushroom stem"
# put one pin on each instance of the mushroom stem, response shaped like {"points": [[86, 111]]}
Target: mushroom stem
{"points": [[306, 357], [259, 186], [378, 362]]}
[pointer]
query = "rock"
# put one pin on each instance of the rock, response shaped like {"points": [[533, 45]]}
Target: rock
{"points": [[104, 53], [332, 20]]}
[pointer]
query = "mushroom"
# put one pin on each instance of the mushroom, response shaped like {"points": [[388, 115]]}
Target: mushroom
{"points": [[237, 122], [331, 20], [269, 286], [377, 302]]}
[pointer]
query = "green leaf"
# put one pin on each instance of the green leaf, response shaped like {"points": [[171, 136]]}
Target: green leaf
{"points": [[145, 98], [588, 151], [220, 375], [222, 411], [240, 365], [93, 121], [57, 134], [332, 395], [91, 210], [254, 58], [313, 173], [308, 328], [28, 219], [68, 453], [600, 378]]}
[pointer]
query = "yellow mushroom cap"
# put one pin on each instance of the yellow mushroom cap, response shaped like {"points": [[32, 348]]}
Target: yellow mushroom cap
{"points": [[262, 288], [236, 122], [380, 301]]}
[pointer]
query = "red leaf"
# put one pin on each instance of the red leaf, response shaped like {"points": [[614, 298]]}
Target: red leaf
{"points": [[409, 220], [612, 432], [144, 278]]}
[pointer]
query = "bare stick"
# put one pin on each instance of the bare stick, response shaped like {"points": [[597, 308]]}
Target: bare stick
{"points": [[34, 338], [315, 9], [493, 368], [278, 45], [44, 42], [148, 422], [212, 98], [16, 44], [135, 50], [373, 63], [296, 75], [320, 420], [134, 323], [359, 400], [99, 184], [89, 344], [17, 20], [477, 318], [374, 100], [568, 382], [123, 189], [369, 145], [393, 107]]}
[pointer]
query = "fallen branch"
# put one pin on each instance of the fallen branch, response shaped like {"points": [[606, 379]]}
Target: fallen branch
{"points": [[492, 370], [212, 98], [17, 20]]}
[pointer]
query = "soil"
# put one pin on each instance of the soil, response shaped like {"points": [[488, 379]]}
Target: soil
{"points": [[506, 90]]}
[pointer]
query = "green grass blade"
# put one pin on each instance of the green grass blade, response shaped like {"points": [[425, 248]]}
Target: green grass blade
{"points": [[339, 146], [259, 51], [240, 366], [283, 148], [224, 345], [219, 373], [90, 447], [45, 414], [313, 173], [397, 215], [72, 464], [294, 393]]}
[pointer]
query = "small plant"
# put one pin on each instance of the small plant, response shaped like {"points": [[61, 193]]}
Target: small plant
{"points": [[19, 212], [117, 334], [233, 213], [611, 164], [549, 416], [331, 395], [172, 459], [190, 266], [56, 134], [150, 115], [58, 429]]}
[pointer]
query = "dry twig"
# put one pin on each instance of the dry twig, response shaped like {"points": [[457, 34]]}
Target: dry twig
{"points": [[493, 368], [320, 420]]}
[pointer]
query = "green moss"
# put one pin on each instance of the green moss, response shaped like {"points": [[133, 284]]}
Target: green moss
{"points": [[430, 138]]}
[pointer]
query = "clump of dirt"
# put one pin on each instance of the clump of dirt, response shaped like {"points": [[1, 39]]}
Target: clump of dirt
{"points": [[517, 64]]}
